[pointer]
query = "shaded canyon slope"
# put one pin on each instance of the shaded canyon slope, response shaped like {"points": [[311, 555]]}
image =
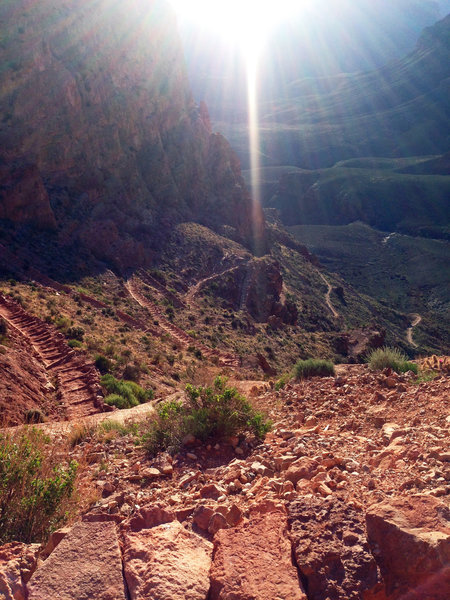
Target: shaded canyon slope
{"points": [[99, 129], [400, 109]]}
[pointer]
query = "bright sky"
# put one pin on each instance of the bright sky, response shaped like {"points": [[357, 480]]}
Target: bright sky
{"points": [[245, 23]]}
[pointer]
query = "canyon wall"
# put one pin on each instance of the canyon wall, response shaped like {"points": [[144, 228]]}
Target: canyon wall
{"points": [[100, 138]]}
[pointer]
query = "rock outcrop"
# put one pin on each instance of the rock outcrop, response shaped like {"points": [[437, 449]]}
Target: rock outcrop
{"points": [[86, 564], [96, 101], [253, 561], [167, 562], [410, 539], [331, 549]]}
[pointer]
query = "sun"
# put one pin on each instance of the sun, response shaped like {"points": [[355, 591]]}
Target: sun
{"points": [[243, 23]]}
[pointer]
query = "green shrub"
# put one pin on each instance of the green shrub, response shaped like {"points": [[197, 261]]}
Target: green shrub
{"points": [[120, 401], [103, 364], [75, 333], [210, 412], [313, 367], [75, 344], [34, 487], [124, 394], [63, 323], [393, 358], [132, 373], [110, 426], [282, 381]]}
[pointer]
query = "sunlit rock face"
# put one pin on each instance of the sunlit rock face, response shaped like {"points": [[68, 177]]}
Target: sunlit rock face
{"points": [[94, 98]]}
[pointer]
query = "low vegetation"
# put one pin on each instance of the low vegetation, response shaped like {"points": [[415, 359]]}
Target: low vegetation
{"points": [[210, 412], [124, 394], [393, 358], [34, 487], [313, 367]]}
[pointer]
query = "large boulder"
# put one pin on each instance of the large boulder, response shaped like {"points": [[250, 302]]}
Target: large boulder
{"points": [[254, 562], [331, 549], [166, 562], [410, 539], [86, 564]]}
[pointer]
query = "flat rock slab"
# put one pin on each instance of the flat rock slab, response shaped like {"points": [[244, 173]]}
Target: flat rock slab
{"points": [[410, 538], [254, 562], [167, 562], [331, 549], [86, 564]]}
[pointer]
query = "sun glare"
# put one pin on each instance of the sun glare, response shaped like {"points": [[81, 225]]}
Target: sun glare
{"points": [[244, 23]]}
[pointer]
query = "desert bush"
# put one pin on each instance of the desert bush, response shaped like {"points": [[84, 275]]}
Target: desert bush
{"points": [[34, 415], [282, 381], [74, 344], [124, 394], [3, 328], [63, 324], [75, 333], [34, 487], [210, 413], [114, 427], [393, 358], [79, 433], [313, 367], [103, 364], [132, 373], [121, 402]]}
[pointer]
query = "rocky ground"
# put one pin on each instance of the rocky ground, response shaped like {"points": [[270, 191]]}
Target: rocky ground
{"points": [[346, 498]]}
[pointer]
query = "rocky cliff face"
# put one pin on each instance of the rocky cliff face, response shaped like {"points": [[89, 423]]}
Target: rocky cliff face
{"points": [[95, 101]]}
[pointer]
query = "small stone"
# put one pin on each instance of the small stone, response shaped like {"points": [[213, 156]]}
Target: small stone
{"points": [[234, 516], [150, 473], [349, 538], [391, 382], [188, 440], [108, 488], [187, 479], [192, 456], [211, 491], [202, 516], [239, 451], [217, 522]]}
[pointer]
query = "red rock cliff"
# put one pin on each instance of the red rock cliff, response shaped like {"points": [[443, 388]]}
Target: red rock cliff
{"points": [[95, 99]]}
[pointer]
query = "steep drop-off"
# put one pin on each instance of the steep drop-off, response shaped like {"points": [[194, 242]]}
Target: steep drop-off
{"points": [[99, 134]]}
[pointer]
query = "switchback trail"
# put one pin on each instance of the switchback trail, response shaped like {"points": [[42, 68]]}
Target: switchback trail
{"points": [[78, 385], [416, 319], [134, 285], [327, 297], [193, 290]]}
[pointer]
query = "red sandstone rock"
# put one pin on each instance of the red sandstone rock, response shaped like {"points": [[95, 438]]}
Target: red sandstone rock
{"points": [[202, 516], [217, 522], [150, 517], [303, 468], [211, 491], [167, 563], [253, 562], [17, 563], [86, 564], [331, 550], [410, 539]]}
